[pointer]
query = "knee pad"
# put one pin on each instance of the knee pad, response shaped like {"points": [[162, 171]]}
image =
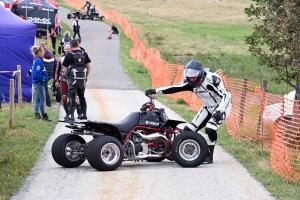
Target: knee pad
{"points": [[190, 127], [212, 134], [64, 100]]}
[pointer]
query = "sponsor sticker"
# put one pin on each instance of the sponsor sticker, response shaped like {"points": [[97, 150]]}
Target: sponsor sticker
{"points": [[38, 20]]}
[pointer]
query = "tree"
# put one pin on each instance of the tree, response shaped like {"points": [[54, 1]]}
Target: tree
{"points": [[275, 41]]}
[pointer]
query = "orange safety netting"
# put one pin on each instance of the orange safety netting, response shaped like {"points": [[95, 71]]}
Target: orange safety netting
{"points": [[256, 115]]}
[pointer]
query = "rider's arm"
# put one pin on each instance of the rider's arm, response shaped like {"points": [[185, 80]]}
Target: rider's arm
{"points": [[182, 86], [216, 85], [88, 66]]}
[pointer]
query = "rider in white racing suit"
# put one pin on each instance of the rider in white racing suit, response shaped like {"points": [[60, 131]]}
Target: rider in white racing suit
{"points": [[209, 87]]}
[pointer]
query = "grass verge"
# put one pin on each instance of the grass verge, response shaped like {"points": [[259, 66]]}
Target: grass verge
{"points": [[22, 145]]}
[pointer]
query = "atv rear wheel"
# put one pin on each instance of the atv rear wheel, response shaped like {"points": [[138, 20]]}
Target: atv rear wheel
{"points": [[69, 16], [189, 149], [66, 150], [83, 17], [105, 153]]}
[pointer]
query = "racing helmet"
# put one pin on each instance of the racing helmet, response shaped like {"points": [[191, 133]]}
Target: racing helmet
{"points": [[194, 73]]}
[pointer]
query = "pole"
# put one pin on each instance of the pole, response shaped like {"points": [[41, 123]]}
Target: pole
{"points": [[11, 103], [19, 85]]}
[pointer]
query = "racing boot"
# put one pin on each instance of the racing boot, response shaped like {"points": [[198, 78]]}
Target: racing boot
{"points": [[210, 158], [46, 118], [83, 116], [71, 113], [67, 112]]}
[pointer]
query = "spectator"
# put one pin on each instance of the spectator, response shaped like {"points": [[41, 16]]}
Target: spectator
{"points": [[50, 65], [53, 36], [39, 78], [79, 40], [113, 30], [58, 29], [76, 27], [60, 80], [66, 39], [77, 66]]}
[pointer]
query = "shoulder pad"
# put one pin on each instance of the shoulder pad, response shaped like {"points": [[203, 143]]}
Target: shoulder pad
{"points": [[216, 80]]}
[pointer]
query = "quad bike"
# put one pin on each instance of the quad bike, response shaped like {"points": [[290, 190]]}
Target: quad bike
{"points": [[74, 14], [92, 14], [146, 135]]}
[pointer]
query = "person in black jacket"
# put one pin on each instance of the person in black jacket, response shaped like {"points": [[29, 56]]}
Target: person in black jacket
{"points": [[113, 30], [65, 40], [77, 66], [76, 28]]}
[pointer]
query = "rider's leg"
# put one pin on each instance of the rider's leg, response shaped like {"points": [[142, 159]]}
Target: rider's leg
{"points": [[65, 99]]}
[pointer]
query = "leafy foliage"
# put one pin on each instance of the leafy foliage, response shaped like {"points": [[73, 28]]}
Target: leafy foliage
{"points": [[276, 37]]}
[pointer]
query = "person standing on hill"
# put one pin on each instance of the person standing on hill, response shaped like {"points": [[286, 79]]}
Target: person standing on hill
{"points": [[39, 78], [208, 86], [77, 66], [76, 28]]}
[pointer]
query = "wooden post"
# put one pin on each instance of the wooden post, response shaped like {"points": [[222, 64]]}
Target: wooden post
{"points": [[19, 85], [242, 102], [261, 111], [265, 85], [11, 103]]}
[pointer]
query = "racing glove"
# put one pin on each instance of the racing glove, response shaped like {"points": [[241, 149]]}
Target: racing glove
{"points": [[150, 91], [219, 117]]}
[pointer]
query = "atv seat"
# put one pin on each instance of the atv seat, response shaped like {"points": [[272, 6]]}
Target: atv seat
{"points": [[128, 123]]}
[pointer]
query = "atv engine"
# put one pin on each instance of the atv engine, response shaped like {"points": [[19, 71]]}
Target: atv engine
{"points": [[141, 146]]}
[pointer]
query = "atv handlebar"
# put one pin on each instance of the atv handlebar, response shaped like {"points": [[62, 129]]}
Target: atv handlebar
{"points": [[149, 106]]}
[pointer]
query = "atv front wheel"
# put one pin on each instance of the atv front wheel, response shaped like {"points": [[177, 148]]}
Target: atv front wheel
{"points": [[189, 149], [102, 18], [67, 150], [105, 153], [69, 16]]}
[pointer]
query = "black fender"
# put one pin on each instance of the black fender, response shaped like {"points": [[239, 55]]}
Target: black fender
{"points": [[173, 123], [107, 129]]}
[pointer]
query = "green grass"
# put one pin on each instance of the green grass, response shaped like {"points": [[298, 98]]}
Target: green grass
{"points": [[22, 145]]}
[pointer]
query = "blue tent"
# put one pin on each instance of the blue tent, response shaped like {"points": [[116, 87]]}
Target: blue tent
{"points": [[16, 38]]}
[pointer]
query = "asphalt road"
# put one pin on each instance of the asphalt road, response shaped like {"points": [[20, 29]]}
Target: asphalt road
{"points": [[111, 97]]}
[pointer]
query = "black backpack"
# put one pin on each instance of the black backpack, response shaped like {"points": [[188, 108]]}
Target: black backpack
{"points": [[78, 70], [67, 39]]}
